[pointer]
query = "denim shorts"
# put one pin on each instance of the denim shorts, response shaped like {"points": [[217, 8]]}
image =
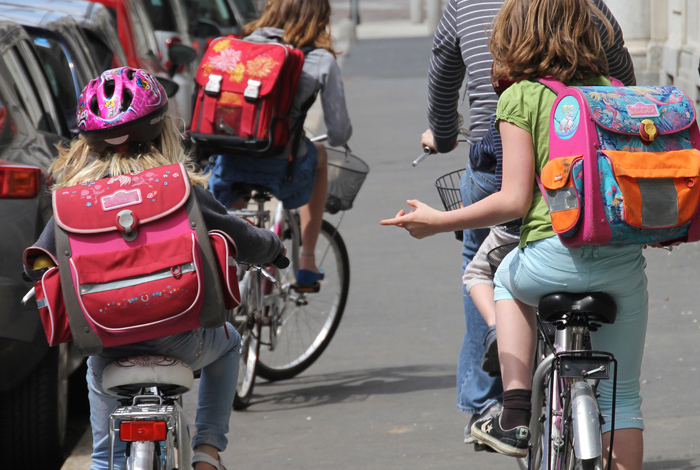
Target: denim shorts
{"points": [[546, 266], [228, 171]]}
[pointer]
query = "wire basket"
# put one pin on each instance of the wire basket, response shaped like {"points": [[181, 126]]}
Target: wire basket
{"points": [[346, 173], [450, 194]]}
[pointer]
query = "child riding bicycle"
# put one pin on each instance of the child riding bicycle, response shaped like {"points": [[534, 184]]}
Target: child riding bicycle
{"points": [[147, 138], [304, 24], [533, 39]]}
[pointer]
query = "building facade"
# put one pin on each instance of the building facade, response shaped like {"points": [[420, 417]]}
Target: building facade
{"points": [[663, 37]]}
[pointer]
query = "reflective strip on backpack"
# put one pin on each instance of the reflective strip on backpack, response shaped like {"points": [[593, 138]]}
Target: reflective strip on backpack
{"points": [[135, 281]]}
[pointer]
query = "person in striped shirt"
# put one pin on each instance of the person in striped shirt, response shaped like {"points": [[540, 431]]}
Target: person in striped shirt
{"points": [[460, 51]]}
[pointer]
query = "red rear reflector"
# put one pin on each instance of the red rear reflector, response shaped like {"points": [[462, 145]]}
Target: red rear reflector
{"points": [[21, 182], [142, 430]]}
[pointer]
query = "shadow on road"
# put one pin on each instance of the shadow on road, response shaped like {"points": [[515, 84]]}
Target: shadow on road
{"points": [[349, 386], [671, 465]]}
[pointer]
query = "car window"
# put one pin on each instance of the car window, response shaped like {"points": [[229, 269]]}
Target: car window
{"points": [[145, 39], [100, 51], [247, 9], [59, 74], [217, 11], [161, 14], [31, 92]]}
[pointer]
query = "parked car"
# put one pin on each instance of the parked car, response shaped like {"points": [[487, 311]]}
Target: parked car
{"points": [[247, 10], [138, 38], [64, 54], [169, 20], [209, 19], [34, 383], [98, 25]]}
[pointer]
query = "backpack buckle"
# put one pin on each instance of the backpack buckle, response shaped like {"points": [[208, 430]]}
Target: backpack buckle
{"points": [[252, 91], [126, 223], [213, 86]]}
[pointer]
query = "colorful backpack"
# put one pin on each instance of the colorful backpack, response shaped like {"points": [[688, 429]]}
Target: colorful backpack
{"points": [[624, 165], [245, 92], [134, 262]]}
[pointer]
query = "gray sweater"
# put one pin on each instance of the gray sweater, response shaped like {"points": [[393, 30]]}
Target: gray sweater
{"points": [[320, 74]]}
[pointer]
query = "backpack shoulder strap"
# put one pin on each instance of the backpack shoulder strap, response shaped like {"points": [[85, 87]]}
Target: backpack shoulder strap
{"points": [[84, 337], [552, 83], [213, 311]]}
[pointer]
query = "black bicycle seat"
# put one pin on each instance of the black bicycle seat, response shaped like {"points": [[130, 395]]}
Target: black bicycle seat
{"points": [[592, 306]]}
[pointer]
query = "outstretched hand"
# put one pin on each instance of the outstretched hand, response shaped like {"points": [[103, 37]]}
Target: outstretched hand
{"points": [[422, 222]]}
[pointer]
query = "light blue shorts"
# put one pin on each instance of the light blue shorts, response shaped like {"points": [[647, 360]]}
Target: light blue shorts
{"points": [[546, 266]]}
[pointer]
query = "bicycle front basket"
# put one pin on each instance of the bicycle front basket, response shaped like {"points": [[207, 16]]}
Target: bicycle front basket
{"points": [[346, 173], [450, 193]]}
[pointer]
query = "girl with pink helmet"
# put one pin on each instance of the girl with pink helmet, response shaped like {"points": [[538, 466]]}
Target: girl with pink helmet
{"points": [[124, 128]]}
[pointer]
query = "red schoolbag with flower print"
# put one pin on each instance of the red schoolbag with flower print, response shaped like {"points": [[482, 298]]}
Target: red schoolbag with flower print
{"points": [[245, 92]]}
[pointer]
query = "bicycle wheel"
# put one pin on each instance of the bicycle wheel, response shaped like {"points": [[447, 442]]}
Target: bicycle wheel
{"points": [[303, 324], [142, 456], [587, 434], [247, 323]]}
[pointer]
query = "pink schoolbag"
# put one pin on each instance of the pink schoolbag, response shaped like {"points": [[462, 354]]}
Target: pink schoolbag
{"points": [[135, 262], [624, 165]]}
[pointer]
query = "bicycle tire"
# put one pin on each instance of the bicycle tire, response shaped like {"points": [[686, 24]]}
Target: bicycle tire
{"points": [[308, 321], [249, 328], [567, 459]]}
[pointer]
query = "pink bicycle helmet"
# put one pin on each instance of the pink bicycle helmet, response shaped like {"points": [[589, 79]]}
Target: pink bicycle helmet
{"points": [[120, 107]]}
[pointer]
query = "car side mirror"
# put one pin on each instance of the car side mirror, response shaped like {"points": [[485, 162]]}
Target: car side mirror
{"points": [[207, 29], [170, 86], [181, 54]]}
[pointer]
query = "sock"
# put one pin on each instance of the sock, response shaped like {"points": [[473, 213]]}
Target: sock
{"points": [[516, 408], [490, 335]]}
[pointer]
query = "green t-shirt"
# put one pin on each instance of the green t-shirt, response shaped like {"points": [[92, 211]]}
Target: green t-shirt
{"points": [[527, 104]]}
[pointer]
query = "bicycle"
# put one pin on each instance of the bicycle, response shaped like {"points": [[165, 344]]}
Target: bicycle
{"points": [[285, 328]]}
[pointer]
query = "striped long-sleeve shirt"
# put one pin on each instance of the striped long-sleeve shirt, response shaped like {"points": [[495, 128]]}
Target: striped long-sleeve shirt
{"points": [[460, 48]]}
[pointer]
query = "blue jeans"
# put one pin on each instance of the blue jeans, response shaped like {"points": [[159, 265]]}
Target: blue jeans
{"points": [[209, 350], [476, 390], [547, 266]]}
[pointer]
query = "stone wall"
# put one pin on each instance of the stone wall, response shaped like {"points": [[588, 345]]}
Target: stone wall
{"points": [[663, 37]]}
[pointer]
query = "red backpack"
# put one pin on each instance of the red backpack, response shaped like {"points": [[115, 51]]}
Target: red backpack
{"points": [[134, 262], [245, 92]]}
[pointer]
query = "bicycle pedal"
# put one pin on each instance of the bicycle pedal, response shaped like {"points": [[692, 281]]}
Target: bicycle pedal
{"points": [[307, 288]]}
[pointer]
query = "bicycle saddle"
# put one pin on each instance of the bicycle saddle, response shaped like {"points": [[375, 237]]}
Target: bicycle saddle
{"points": [[126, 377], [586, 307]]}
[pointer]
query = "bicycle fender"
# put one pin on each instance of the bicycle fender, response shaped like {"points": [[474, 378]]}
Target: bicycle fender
{"points": [[586, 422]]}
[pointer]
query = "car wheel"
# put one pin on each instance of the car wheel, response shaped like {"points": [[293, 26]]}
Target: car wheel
{"points": [[33, 415]]}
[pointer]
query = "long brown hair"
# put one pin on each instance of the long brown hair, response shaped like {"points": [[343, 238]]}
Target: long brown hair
{"points": [[305, 22], [536, 38], [78, 164]]}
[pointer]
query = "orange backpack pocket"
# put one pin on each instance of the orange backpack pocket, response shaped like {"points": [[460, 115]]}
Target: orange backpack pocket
{"points": [[658, 189], [562, 179]]}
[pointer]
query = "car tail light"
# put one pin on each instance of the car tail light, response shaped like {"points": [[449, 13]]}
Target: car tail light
{"points": [[19, 181], [142, 430]]}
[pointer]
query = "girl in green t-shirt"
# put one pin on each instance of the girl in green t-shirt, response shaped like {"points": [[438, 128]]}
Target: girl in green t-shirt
{"points": [[534, 39]]}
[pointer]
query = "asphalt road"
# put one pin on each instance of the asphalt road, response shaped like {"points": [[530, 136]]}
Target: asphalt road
{"points": [[382, 396]]}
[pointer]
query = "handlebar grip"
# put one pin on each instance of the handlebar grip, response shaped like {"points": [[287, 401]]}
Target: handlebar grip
{"points": [[281, 262]]}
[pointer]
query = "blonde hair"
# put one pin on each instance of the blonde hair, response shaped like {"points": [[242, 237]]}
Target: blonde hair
{"points": [[305, 22], [79, 164], [536, 38]]}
